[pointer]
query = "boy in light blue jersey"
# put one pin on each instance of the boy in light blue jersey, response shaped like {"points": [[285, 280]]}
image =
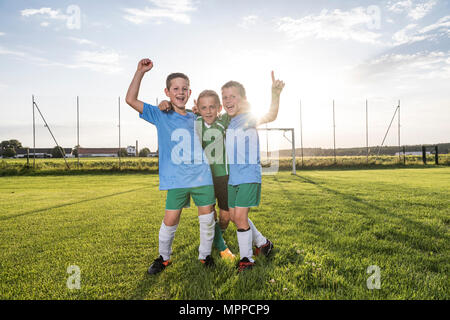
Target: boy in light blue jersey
{"points": [[183, 170], [244, 185]]}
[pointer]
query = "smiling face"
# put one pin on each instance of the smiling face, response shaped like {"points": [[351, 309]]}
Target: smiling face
{"points": [[231, 99], [178, 92], [208, 108]]}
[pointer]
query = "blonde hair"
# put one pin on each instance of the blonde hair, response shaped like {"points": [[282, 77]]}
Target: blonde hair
{"points": [[237, 85], [209, 93]]}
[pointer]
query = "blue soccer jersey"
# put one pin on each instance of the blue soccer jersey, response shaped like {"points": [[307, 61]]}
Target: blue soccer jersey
{"points": [[182, 161], [242, 147]]}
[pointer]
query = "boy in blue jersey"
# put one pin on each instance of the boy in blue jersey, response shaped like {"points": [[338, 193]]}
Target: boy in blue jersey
{"points": [[244, 185], [211, 129], [182, 171]]}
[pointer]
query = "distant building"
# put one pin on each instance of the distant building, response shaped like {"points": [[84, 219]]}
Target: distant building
{"points": [[412, 153], [98, 152], [40, 152], [131, 151]]}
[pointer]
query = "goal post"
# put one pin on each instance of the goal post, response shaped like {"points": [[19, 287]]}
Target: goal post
{"points": [[274, 161]]}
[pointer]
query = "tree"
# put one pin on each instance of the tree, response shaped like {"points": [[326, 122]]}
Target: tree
{"points": [[122, 153], [57, 152], [9, 152], [8, 148], [144, 152], [75, 151]]}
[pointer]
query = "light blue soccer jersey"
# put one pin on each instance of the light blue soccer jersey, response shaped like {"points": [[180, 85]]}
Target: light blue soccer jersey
{"points": [[182, 162], [242, 147]]}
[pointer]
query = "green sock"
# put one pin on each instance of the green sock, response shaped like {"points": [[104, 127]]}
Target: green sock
{"points": [[219, 242]]}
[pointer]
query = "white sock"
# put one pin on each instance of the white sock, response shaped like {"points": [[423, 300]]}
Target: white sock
{"points": [[257, 238], [166, 236], [245, 244], [207, 225]]}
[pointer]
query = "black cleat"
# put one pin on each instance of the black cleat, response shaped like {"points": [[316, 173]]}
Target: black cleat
{"points": [[265, 249], [244, 264], [208, 262], [158, 265]]}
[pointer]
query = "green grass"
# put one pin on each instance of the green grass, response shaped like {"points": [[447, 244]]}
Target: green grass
{"points": [[10, 167], [328, 227]]}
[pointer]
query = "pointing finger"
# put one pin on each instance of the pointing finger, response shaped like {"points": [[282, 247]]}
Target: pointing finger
{"points": [[273, 77]]}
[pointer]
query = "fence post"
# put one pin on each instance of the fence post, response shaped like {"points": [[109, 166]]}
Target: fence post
{"points": [[436, 154], [424, 155], [404, 155]]}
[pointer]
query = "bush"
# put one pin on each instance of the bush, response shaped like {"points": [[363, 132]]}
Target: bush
{"points": [[57, 152], [144, 152]]}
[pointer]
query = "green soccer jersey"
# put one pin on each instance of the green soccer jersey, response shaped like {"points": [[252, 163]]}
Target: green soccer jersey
{"points": [[215, 141]]}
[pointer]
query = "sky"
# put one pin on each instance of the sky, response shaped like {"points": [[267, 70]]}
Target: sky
{"points": [[351, 51]]}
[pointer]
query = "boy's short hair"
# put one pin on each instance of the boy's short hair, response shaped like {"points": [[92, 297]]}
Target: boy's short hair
{"points": [[237, 85], [209, 93], [175, 75]]}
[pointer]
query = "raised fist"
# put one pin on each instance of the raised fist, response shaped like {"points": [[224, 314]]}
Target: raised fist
{"points": [[145, 65]]}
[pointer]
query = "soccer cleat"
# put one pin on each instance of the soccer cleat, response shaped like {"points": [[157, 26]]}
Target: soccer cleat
{"points": [[158, 265], [265, 249], [208, 262], [227, 254], [244, 264]]}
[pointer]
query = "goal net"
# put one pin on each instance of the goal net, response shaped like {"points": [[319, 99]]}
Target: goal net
{"points": [[277, 149]]}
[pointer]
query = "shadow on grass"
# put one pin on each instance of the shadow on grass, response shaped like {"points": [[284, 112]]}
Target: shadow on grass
{"points": [[68, 204], [73, 172], [188, 279], [407, 222], [24, 171]]}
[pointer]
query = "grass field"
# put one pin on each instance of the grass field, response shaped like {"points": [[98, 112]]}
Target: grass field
{"points": [[328, 227], [150, 165]]}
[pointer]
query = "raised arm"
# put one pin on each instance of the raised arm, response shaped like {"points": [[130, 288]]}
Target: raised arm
{"points": [[277, 87], [133, 91]]}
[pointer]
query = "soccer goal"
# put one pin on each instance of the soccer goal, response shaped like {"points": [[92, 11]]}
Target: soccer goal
{"points": [[277, 148]]}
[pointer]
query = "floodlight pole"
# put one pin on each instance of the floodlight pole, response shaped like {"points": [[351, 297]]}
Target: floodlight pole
{"points": [[267, 143], [119, 134], [34, 136], [367, 130], [294, 170], [334, 135], [78, 132], [399, 149], [301, 131]]}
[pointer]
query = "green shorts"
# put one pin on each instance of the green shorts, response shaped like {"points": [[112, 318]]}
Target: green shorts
{"points": [[244, 195], [181, 198]]}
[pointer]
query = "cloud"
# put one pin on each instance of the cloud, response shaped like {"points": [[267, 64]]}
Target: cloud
{"points": [[5, 51], [442, 24], [175, 10], [82, 41], [248, 21], [404, 35], [2, 34], [412, 33], [101, 61], [105, 61], [343, 25], [416, 11], [46, 12], [432, 65]]}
